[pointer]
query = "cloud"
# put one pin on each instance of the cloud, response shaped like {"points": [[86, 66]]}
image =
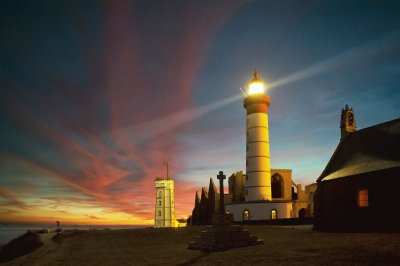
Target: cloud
{"points": [[92, 217], [103, 122], [11, 199]]}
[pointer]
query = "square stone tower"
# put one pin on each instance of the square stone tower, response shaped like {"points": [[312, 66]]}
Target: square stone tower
{"points": [[165, 207]]}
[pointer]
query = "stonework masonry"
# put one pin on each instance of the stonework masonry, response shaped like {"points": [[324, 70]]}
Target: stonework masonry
{"points": [[290, 200], [164, 215]]}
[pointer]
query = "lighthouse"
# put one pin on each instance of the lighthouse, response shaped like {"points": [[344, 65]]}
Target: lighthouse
{"points": [[258, 168], [164, 215]]}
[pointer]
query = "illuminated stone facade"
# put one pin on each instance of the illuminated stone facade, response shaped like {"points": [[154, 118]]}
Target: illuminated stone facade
{"points": [[258, 168], [259, 203], [165, 207], [289, 200]]}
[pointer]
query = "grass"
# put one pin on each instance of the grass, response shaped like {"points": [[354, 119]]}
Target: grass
{"points": [[20, 246], [283, 246]]}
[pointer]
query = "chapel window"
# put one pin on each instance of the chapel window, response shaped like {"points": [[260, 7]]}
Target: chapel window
{"points": [[159, 203], [159, 213], [246, 215], [362, 198], [160, 194]]}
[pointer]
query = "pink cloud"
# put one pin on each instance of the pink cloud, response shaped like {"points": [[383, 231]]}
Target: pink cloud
{"points": [[81, 129]]}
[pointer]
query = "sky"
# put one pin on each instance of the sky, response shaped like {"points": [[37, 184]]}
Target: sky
{"points": [[97, 95]]}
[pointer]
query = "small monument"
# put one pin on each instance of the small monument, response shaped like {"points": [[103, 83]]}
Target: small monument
{"points": [[223, 234]]}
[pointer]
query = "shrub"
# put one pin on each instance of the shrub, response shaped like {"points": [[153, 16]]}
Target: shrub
{"points": [[20, 246]]}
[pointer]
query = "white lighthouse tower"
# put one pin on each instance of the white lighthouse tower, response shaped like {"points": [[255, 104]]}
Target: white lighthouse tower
{"points": [[258, 168], [258, 204], [164, 215]]}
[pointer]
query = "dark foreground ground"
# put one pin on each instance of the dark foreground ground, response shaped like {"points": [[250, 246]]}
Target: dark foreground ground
{"points": [[283, 246]]}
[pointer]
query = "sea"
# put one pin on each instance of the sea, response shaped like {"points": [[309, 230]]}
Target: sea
{"points": [[10, 231]]}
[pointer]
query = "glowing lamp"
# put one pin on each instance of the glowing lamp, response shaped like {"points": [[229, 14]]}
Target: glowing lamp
{"points": [[256, 85]]}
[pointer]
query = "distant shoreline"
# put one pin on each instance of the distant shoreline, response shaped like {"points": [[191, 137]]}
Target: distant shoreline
{"points": [[10, 231]]}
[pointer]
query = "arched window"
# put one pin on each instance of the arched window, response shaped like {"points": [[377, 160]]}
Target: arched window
{"points": [[160, 194], [362, 198], [277, 186], [246, 215], [274, 214]]}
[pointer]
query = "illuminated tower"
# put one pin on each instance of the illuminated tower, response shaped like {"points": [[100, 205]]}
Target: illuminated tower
{"points": [[165, 208], [347, 122], [258, 169]]}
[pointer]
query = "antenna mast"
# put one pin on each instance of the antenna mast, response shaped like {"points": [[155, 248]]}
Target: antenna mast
{"points": [[167, 163]]}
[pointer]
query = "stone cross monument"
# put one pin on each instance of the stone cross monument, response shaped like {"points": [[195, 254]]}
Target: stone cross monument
{"points": [[221, 178], [222, 234]]}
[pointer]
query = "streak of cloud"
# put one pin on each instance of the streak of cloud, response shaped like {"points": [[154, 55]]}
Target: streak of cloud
{"points": [[85, 123], [362, 52]]}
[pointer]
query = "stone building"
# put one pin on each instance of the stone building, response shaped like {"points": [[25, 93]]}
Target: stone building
{"points": [[283, 190], [303, 202], [358, 189]]}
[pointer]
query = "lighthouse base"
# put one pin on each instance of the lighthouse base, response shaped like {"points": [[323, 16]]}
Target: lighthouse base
{"points": [[260, 210]]}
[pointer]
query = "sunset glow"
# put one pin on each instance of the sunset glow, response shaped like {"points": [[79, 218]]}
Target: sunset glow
{"points": [[96, 96]]}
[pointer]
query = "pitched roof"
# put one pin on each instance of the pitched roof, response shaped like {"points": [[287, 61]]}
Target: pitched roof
{"points": [[366, 150]]}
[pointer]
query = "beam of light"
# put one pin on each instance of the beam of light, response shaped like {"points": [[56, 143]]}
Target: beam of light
{"points": [[352, 55], [153, 128], [145, 131], [148, 130]]}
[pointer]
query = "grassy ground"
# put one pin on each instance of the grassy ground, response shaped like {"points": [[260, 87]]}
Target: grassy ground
{"points": [[283, 246], [20, 246]]}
